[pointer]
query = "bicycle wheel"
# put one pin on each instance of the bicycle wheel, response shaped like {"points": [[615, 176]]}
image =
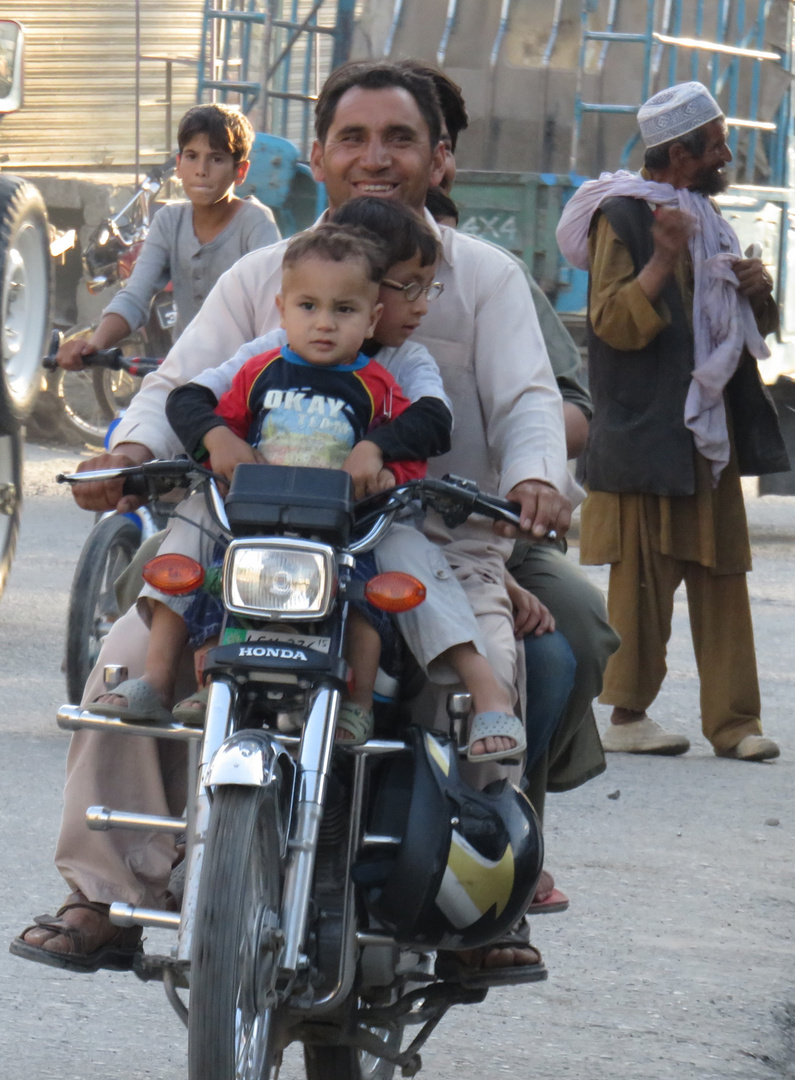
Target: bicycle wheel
{"points": [[88, 400], [10, 500], [108, 550], [233, 968]]}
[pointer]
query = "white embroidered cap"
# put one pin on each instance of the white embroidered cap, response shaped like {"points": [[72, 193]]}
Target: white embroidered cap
{"points": [[676, 111]]}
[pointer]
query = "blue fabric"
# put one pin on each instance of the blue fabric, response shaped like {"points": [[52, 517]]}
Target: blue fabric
{"points": [[204, 615], [382, 621], [550, 668]]}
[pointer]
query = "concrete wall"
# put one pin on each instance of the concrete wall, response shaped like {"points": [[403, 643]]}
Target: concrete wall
{"points": [[522, 106]]}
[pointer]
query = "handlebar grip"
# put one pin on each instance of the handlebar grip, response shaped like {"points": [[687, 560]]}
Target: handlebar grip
{"points": [[137, 486], [109, 358]]}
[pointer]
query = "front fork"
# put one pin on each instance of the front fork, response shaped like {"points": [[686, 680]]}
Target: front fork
{"points": [[314, 763]]}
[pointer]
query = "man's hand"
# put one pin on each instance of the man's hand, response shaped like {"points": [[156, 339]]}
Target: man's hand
{"points": [[364, 464], [543, 509], [671, 232], [105, 495], [755, 282], [530, 616], [228, 450]]}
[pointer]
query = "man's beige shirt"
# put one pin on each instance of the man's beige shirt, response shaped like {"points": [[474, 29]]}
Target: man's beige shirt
{"points": [[483, 333]]}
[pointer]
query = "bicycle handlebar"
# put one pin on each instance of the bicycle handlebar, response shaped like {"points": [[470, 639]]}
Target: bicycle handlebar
{"points": [[113, 359]]}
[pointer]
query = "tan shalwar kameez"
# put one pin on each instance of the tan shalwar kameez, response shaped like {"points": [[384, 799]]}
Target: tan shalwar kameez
{"points": [[655, 542]]}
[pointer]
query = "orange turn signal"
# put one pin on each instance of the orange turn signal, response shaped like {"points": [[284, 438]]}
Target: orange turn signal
{"points": [[175, 575], [394, 592]]}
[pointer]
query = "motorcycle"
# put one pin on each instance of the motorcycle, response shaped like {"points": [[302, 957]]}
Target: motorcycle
{"points": [[83, 403], [321, 879]]}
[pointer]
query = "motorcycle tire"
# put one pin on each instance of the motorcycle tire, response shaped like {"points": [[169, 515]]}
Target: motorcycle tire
{"points": [[233, 967], [10, 500], [24, 298], [108, 551]]}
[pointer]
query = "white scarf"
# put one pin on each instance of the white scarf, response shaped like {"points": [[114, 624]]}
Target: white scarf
{"points": [[723, 320]]}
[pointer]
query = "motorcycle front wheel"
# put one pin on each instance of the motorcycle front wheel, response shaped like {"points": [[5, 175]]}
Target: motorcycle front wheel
{"points": [[235, 954]]}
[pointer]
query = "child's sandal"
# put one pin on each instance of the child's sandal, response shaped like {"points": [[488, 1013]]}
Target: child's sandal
{"points": [[359, 724], [497, 724]]}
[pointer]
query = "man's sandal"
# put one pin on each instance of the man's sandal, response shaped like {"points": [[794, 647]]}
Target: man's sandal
{"points": [[553, 899], [497, 724], [142, 703], [356, 722], [470, 968], [116, 954]]}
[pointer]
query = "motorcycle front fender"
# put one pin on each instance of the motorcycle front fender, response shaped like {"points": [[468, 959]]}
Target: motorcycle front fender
{"points": [[247, 758]]}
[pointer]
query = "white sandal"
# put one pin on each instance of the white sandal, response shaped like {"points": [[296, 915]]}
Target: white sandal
{"points": [[497, 724], [357, 722]]}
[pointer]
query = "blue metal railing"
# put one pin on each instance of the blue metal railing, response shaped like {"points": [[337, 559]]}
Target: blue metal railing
{"points": [[232, 65], [735, 43]]}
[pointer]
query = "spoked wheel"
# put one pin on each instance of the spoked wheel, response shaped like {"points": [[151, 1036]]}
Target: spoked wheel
{"points": [[108, 551], [24, 297], [324, 1062], [89, 400], [235, 951], [10, 500], [348, 1063]]}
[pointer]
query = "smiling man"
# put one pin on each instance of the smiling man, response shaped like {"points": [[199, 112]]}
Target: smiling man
{"points": [[378, 134]]}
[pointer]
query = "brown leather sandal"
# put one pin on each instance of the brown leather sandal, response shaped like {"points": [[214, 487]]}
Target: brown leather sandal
{"points": [[471, 968], [117, 953]]}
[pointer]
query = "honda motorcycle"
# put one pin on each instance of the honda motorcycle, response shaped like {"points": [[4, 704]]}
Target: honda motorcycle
{"points": [[324, 883]]}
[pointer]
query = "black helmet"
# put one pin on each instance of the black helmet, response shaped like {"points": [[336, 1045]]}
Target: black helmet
{"points": [[468, 862]]}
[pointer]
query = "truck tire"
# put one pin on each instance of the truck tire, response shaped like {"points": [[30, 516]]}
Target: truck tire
{"points": [[24, 298]]}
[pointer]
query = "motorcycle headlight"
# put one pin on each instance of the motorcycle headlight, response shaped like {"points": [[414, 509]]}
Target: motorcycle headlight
{"points": [[278, 578]]}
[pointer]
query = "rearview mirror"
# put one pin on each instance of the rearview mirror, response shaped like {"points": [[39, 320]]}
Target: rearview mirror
{"points": [[12, 44]]}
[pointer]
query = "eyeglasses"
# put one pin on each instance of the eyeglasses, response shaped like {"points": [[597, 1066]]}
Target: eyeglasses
{"points": [[414, 290]]}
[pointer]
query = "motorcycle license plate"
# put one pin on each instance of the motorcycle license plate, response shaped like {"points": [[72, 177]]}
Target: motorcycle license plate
{"points": [[303, 641], [166, 314]]}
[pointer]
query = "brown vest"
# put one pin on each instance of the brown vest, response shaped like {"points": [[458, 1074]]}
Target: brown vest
{"points": [[638, 441]]}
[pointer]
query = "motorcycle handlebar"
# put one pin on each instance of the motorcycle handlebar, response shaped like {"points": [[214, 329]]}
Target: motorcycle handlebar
{"points": [[453, 497]]}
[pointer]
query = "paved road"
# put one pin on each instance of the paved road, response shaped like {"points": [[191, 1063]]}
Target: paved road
{"points": [[676, 959]]}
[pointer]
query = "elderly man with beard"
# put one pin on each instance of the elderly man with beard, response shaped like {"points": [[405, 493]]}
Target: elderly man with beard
{"points": [[676, 322]]}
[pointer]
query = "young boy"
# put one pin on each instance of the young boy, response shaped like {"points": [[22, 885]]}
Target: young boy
{"points": [[189, 243], [422, 428]]}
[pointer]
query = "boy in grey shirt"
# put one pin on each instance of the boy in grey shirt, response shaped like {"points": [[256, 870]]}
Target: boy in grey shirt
{"points": [[189, 243]]}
